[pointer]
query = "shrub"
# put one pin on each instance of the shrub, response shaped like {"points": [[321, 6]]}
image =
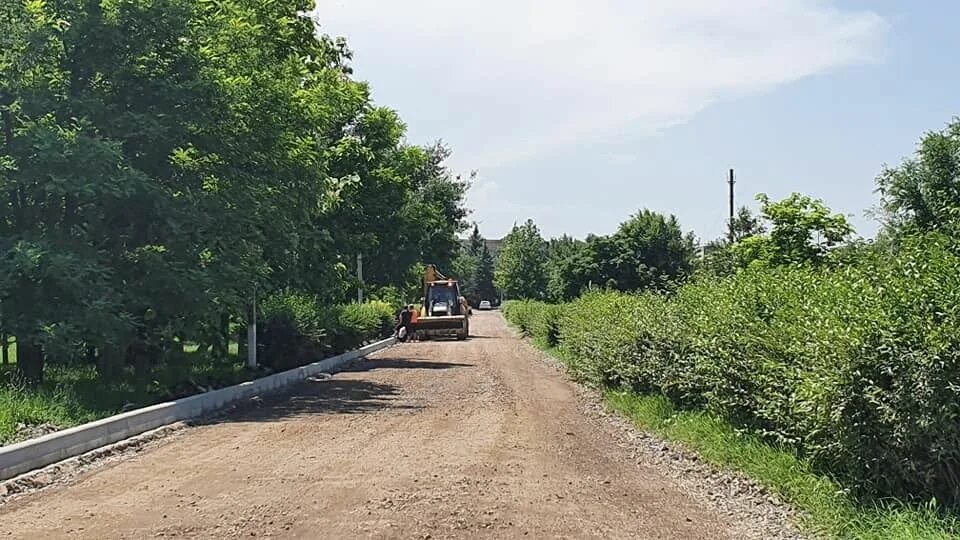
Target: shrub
{"points": [[856, 366], [535, 319], [360, 323], [297, 329]]}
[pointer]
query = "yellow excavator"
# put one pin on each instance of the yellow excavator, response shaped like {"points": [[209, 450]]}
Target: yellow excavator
{"points": [[445, 311]]}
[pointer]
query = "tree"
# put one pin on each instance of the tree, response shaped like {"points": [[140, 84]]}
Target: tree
{"points": [[521, 266], [802, 229], [486, 289], [160, 161], [475, 244], [569, 268], [475, 269], [745, 225], [649, 250], [923, 192]]}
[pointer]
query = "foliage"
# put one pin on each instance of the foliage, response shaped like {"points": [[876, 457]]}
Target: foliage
{"points": [[535, 319], [160, 161], [474, 268], [298, 329], [853, 366], [521, 263], [569, 268], [802, 229], [745, 225], [648, 251], [827, 509], [923, 192]]}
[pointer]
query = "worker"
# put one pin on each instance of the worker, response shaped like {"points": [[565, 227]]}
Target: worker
{"points": [[414, 315], [403, 323]]}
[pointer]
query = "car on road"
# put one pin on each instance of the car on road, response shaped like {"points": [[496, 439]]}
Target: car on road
{"points": [[484, 305]]}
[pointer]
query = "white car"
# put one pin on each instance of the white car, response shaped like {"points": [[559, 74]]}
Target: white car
{"points": [[485, 305]]}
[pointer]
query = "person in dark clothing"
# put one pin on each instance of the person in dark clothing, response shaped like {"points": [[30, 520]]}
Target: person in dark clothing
{"points": [[403, 321]]}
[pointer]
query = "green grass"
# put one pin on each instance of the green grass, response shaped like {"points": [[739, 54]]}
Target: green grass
{"points": [[828, 511], [72, 395], [12, 356]]}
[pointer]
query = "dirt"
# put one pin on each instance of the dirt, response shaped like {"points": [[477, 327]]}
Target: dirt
{"points": [[439, 439]]}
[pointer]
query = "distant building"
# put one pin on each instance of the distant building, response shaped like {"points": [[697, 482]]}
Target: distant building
{"points": [[493, 246]]}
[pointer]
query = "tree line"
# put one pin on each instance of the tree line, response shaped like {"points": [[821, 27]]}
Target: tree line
{"points": [[161, 161], [650, 251]]}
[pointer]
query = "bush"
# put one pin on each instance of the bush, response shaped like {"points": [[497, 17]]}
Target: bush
{"points": [[360, 323], [535, 319], [297, 329], [856, 366]]}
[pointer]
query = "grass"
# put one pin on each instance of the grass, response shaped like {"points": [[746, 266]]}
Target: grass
{"points": [[12, 354], [73, 395], [827, 510]]}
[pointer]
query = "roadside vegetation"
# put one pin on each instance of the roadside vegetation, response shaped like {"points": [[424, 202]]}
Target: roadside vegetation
{"points": [[823, 367]]}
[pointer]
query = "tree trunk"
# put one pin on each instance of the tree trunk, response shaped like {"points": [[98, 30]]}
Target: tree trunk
{"points": [[222, 345], [5, 348], [242, 342], [109, 361], [29, 363], [136, 356]]}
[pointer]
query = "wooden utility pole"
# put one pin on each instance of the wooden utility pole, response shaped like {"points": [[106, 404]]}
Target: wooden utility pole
{"points": [[731, 182]]}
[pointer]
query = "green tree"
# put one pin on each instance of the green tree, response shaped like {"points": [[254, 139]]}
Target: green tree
{"points": [[649, 250], [486, 275], [474, 267], [802, 230], [160, 160], [569, 268], [745, 224], [923, 192], [521, 265], [475, 243]]}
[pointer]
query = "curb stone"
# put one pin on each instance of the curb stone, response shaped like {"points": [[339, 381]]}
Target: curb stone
{"points": [[33, 454]]}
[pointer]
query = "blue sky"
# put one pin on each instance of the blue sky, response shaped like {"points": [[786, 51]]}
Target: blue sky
{"points": [[577, 113]]}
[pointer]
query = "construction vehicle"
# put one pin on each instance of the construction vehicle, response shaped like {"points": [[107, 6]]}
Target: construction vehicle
{"points": [[445, 311]]}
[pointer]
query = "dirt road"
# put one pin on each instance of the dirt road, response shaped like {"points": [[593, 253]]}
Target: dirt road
{"points": [[425, 440]]}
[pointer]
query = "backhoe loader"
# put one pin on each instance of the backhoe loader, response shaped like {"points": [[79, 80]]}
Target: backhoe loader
{"points": [[445, 311]]}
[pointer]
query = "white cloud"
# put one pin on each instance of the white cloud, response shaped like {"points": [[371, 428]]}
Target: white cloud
{"points": [[483, 194], [507, 80]]}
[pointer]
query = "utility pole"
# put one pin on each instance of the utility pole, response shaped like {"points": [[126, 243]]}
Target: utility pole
{"points": [[359, 278], [731, 182]]}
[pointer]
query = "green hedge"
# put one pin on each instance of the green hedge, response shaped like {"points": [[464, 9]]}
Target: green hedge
{"points": [[297, 329], [535, 319], [857, 367]]}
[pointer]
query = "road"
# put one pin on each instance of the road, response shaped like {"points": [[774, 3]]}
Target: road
{"points": [[440, 439]]}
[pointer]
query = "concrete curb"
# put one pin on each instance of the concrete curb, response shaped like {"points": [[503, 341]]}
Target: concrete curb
{"points": [[26, 456]]}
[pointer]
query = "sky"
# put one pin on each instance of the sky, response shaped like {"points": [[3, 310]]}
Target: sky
{"points": [[579, 113]]}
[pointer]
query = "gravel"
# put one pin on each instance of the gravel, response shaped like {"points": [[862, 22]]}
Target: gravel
{"points": [[760, 514]]}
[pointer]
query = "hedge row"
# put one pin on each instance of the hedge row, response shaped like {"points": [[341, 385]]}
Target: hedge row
{"points": [[297, 329], [857, 367]]}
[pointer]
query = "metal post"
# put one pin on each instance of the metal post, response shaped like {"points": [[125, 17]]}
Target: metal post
{"points": [[252, 334], [731, 206]]}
